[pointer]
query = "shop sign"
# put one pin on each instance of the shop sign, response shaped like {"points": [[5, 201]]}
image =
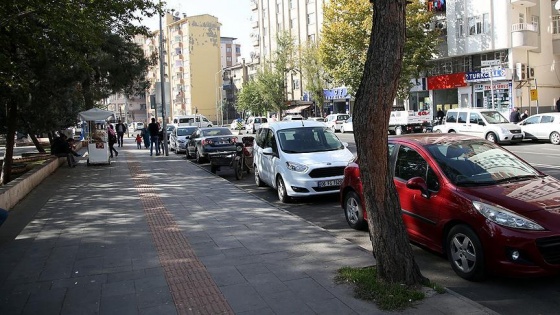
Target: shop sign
{"points": [[446, 81], [479, 76], [336, 93]]}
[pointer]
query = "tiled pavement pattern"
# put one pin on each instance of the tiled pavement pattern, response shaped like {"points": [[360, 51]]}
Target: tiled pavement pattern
{"points": [[87, 246]]}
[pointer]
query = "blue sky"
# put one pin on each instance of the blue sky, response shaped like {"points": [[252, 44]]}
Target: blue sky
{"points": [[233, 14]]}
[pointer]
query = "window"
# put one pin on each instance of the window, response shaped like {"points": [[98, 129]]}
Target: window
{"points": [[532, 120], [535, 22], [293, 23], [474, 118], [295, 85], [462, 119], [521, 18], [228, 58], [556, 24], [228, 49], [292, 4], [311, 38], [411, 164], [486, 23], [451, 117], [547, 119], [311, 18], [475, 25], [460, 32]]}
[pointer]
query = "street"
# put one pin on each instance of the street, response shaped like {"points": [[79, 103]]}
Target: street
{"points": [[503, 295]]}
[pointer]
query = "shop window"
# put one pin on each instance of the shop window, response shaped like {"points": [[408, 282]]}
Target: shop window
{"points": [[556, 24]]}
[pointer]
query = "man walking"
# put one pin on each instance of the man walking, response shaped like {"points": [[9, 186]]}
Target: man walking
{"points": [[153, 129], [514, 117], [121, 128], [558, 105]]}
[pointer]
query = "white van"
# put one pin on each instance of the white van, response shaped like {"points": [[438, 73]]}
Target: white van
{"points": [[484, 123], [254, 123], [192, 120]]}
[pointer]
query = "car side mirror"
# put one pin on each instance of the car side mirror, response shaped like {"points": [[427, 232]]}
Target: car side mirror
{"points": [[267, 151], [418, 183], [480, 122]]}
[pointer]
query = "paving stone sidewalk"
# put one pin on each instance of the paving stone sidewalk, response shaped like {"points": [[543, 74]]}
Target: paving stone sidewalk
{"points": [[160, 235]]}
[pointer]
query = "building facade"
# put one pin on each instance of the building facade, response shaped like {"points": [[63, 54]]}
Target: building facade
{"points": [[230, 52], [192, 62]]}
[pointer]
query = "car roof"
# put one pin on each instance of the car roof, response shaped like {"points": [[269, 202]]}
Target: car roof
{"points": [[550, 114], [289, 124], [472, 109], [424, 139]]}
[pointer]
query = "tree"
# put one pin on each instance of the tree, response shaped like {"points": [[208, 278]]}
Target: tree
{"points": [[346, 34], [250, 99], [313, 73], [374, 99]]}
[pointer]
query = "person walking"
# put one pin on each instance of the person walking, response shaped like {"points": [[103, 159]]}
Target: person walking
{"points": [[146, 136], [121, 128], [524, 115], [514, 117], [558, 105], [112, 140], [153, 129], [138, 141]]}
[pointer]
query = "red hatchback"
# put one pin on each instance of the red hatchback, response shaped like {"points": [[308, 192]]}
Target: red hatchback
{"points": [[482, 206]]}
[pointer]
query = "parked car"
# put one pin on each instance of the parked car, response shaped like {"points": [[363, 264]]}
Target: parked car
{"points": [[254, 123], [347, 126], [237, 124], [169, 130], [192, 120], [179, 137], [486, 209], [334, 121], [299, 158], [542, 127], [322, 119], [212, 139], [484, 123]]}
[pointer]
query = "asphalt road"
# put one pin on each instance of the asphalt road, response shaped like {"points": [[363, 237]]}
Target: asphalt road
{"points": [[502, 295]]}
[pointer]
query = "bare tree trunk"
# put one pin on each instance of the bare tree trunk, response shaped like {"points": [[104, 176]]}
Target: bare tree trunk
{"points": [[11, 118], [374, 101], [37, 144]]}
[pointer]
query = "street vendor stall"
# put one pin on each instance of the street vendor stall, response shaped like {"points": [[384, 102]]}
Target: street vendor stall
{"points": [[96, 135]]}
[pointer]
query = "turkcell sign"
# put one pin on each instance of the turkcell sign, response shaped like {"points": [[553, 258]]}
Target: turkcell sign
{"points": [[480, 76]]}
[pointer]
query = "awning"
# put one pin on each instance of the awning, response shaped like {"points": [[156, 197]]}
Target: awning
{"points": [[96, 114], [296, 109]]}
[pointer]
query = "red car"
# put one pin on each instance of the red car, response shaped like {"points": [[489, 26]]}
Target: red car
{"points": [[483, 207]]}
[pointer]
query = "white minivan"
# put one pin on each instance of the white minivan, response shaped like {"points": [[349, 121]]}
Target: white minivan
{"points": [[484, 123], [192, 120], [299, 158]]}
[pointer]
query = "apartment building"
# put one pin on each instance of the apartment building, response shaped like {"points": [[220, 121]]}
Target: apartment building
{"points": [[302, 19], [230, 51], [498, 54], [192, 60]]}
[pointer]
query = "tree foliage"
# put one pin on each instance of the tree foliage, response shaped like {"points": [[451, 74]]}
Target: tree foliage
{"points": [[346, 33], [313, 73], [374, 100]]}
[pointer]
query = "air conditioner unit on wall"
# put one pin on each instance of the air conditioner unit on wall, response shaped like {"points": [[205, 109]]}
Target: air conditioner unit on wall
{"points": [[520, 72]]}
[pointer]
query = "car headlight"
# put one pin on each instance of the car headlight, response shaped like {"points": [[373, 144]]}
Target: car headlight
{"points": [[296, 167], [504, 217], [181, 141], [504, 130]]}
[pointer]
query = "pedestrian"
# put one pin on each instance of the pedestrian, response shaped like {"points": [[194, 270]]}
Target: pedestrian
{"points": [[558, 105], [138, 141], [64, 147], [160, 139], [121, 128], [146, 136], [440, 115], [153, 129], [112, 140], [514, 117], [524, 115]]}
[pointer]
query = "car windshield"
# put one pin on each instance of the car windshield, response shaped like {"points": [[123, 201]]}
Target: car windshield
{"points": [[493, 117], [308, 139], [185, 131], [475, 163], [215, 132]]}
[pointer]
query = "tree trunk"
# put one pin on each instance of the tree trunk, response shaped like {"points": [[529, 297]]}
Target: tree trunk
{"points": [[374, 101], [11, 118], [37, 144]]}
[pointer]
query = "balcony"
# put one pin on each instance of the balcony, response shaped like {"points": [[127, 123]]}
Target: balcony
{"points": [[255, 24], [255, 42], [525, 36], [524, 3], [254, 5]]}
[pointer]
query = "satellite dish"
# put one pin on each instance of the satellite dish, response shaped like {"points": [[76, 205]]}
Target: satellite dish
{"points": [[557, 6]]}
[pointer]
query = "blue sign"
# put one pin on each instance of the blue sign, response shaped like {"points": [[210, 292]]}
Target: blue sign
{"points": [[336, 93], [478, 76]]}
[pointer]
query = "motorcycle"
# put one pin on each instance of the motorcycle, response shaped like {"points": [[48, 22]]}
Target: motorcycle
{"points": [[243, 161]]}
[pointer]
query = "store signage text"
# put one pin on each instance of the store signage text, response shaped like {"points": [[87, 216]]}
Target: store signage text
{"points": [[478, 76]]}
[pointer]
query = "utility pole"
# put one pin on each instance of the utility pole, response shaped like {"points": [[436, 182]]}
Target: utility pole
{"points": [[162, 81]]}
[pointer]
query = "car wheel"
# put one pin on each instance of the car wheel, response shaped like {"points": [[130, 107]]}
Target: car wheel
{"points": [[464, 252], [491, 137], [198, 157], [238, 168], [555, 138], [398, 131], [187, 154], [342, 129], [333, 128], [452, 131], [438, 131], [281, 189], [258, 180], [354, 212]]}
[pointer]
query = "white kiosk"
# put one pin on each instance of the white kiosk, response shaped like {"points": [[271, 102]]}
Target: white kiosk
{"points": [[96, 136]]}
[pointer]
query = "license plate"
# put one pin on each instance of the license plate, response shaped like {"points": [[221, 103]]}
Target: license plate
{"points": [[517, 136], [327, 183]]}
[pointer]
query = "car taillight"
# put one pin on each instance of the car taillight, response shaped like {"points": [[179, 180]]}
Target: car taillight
{"points": [[234, 140], [206, 141]]}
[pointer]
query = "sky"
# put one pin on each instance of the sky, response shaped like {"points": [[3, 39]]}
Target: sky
{"points": [[234, 15]]}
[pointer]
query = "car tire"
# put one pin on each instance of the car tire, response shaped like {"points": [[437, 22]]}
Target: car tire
{"points": [[353, 211], [333, 128], [198, 157], [491, 137], [341, 129], [187, 154], [281, 190], [555, 138], [438, 131], [258, 180], [465, 254], [398, 130]]}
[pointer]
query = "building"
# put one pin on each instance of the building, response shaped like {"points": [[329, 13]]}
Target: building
{"points": [[498, 54], [230, 51], [192, 62], [303, 20]]}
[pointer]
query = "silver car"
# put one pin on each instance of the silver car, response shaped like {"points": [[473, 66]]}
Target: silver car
{"points": [[179, 137], [542, 127]]}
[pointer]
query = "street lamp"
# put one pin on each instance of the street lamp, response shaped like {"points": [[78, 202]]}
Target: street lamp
{"points": [[218, 95], [162, 82]]}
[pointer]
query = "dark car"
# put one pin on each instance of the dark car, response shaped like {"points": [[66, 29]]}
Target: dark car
{"points": [[483, 207], [208, 140]]}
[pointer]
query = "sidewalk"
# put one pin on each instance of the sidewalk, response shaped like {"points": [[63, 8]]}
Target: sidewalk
{"points": [[160, 235]]}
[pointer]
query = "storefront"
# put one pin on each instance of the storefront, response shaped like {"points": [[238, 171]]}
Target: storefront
{"points": [[419, 99], [491, 90], [337, 100]]}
